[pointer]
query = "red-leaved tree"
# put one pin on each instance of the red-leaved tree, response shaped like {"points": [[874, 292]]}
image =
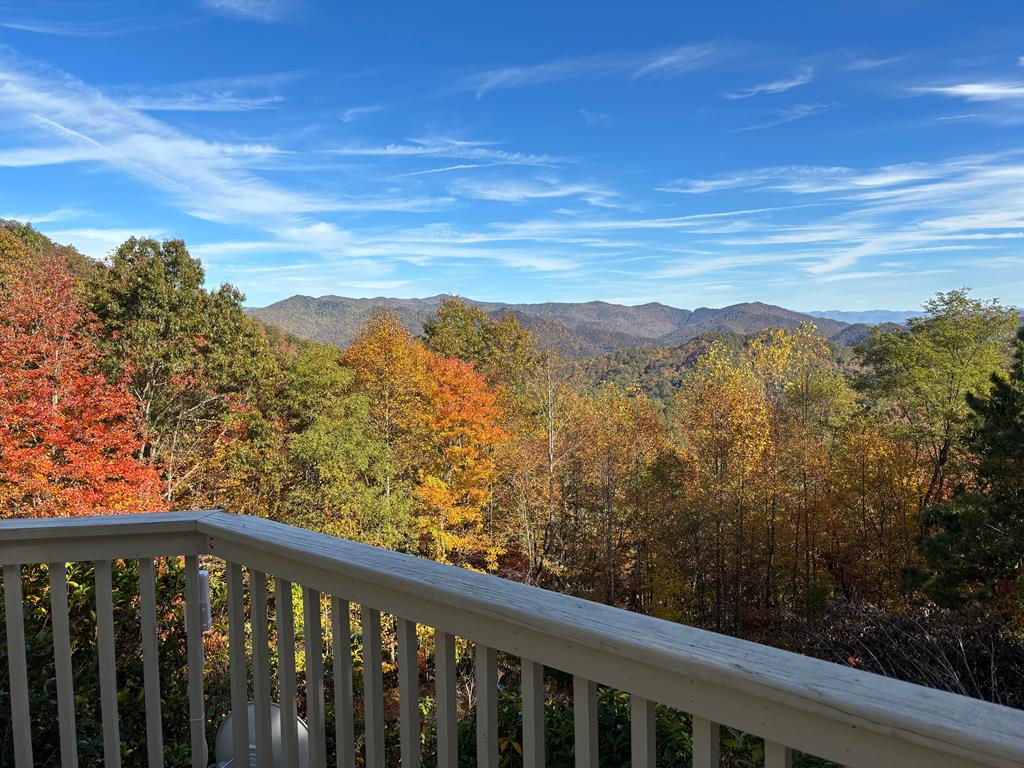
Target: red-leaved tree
{"points": [[67, 435]]}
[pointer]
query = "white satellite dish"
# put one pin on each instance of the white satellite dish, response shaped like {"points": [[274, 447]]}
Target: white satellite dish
{"points": [[223, 744]]}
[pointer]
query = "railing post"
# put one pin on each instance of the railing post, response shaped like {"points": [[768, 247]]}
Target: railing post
{"points": [[260, 667], [313, 631], [533, 714], [286, 671], [486, 706], [707, 738], [20, 717], [344, 721], [373, 689], [777, 755], [194, 635], [445, 700], [584, 706], [150, 663], [643, 722], [409, 693], [107, 663], [239, 669], [62, 662]]}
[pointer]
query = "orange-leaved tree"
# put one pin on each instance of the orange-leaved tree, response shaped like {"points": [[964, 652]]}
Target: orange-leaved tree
{"points": [[457, 477], [438, 421], [391, 371], [67, 435]]}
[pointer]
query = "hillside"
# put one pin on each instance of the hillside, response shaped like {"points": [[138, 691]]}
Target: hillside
{"points": [[656, 371], [575, 329], [747, 318]]}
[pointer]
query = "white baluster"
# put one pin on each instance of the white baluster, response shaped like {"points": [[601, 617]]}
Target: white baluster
{"points": [[62, 662], [445, 699], [409, 693], [194, 635], [261, 695], [239, 668], [584, 706], [373, 689], [344, 721], [107, 663], [313, 628], [150, 663], [707, 738], [533, 714], [20, 719], [642, 723], [286, 671], [486, 707], [777, 755]]}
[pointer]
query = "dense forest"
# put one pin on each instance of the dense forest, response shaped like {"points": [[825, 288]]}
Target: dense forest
{"points": [[864, 507]]}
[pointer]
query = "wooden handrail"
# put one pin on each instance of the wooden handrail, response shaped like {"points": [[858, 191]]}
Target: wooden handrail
{"points": [[842, 714]]}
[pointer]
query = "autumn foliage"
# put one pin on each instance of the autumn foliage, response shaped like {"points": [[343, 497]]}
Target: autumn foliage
{"points": [[778, 474], [68, 436], [440, 422], [774, 486]]}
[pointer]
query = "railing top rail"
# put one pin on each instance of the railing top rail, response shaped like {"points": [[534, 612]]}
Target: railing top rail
{"points": [[936, 720], [98, 526]]}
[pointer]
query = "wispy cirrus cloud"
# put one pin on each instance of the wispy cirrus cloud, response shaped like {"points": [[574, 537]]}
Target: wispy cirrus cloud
{"points": [[659, 64], [860, 64], [62, 19], [443, 169], [448, 148], [913, 209], [814, 179], [376, 253], [234, 94], [253, 10], [979, 91], [802, 76], [676, 61], [352, 114], [98, 242], [789, 115], [593, 118], [63, 120], [525, 190], [47, 217]]}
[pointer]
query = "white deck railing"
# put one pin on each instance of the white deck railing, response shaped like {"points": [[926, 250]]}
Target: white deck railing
{"points": [[793, 702]]}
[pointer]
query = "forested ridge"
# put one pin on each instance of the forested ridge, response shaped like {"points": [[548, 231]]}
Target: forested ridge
{"points": [[866, 507], [579, 329]]}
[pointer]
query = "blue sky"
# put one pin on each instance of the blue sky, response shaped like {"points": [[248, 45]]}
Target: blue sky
{"points": [[849, 154]]}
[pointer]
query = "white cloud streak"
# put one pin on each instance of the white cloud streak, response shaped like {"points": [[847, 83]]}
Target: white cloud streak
{"points": [[520, 190], [352, 114], [63, 19], [802, 76], [918, 209], [862, 64], [981, 91], [448, 148], [662, 64], [234, 94], [253, 10], [73, 122], [790, 115], [444, 169]]}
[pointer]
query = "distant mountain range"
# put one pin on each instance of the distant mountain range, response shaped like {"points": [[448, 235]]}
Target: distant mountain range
{"points": [[869, 316], [576, 329]]}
